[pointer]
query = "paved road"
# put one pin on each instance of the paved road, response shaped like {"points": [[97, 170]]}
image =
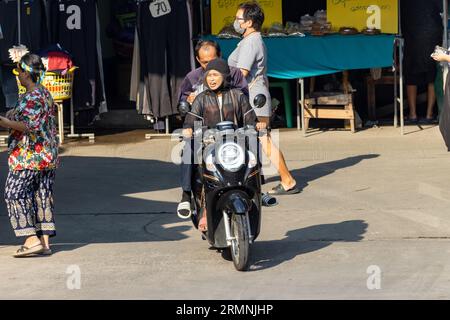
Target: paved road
{"points": [[372, 204]]}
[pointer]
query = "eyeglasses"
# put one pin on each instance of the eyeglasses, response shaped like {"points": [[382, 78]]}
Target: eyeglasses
{"points": [[238, 18], [19, 68]]}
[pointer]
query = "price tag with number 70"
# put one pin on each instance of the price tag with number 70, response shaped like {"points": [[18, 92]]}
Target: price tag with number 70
{"points": [[159, 8]]}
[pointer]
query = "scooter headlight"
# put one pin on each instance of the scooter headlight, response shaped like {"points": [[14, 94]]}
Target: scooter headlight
{"points": [[231, 156]]}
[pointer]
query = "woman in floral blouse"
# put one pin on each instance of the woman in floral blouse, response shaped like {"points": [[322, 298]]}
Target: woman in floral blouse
{"points": [[33, 158]]}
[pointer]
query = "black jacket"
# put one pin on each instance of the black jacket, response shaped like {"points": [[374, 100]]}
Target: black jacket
{"points": [[235, 105]]}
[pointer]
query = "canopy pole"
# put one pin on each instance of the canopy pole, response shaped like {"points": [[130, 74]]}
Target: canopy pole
{"points": [[445, 18], [19, 16], [202, 19], [445, 39], [399, 18]]}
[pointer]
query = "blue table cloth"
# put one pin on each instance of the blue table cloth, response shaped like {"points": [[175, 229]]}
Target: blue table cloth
{"points": [[302, 57]]}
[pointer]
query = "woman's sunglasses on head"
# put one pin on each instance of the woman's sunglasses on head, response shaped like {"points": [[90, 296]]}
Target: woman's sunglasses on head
{"points": [[21, 67]]}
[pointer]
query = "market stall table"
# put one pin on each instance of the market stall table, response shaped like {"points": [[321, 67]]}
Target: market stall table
{"points": [[310, 56]]}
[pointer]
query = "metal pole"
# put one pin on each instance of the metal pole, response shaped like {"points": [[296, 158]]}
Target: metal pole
{"points": [[402, 120], [60, 121], [19, 18], [167, 125], [298, 106], [399, 18], [297, 95], [202, 22], [400, 65], [397, 44], [445, 21], [302, 104], [445, 45], [72, 118]]}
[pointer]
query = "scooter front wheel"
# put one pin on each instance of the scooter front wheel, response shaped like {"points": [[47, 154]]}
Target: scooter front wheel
{"points": [[240, 244]]}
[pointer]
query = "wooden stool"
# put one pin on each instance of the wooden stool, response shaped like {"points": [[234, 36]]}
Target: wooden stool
{"points": [[330, 106]]}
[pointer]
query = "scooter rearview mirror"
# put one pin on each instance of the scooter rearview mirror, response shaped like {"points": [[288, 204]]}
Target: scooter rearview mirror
{"points": [[259, 101], [183, 108]]}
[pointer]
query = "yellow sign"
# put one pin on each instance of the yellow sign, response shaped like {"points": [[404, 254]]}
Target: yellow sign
{"points": [[223, 12], [361, 14]]}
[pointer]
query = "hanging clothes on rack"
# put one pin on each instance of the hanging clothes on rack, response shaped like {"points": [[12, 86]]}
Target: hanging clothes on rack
{"points": [[138, 92], [165, 55], [74, 25], [34, 35]]}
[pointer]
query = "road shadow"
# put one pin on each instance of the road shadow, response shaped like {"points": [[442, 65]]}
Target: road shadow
{"points": [[269, 254], [420, 128], [305, 175], [119, 200], [109, 200]]}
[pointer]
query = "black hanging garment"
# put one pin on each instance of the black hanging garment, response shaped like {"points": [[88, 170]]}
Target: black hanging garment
{"points": [[422, 30], [33, 26], [73, 25], [34, 35], [165, 50], [444, 121]]}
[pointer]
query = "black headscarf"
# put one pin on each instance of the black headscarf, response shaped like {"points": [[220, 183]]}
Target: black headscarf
{"points": [[221, 66]]}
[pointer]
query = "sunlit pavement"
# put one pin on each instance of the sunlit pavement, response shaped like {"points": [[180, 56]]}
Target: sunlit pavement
{"points": [[372, 222]]}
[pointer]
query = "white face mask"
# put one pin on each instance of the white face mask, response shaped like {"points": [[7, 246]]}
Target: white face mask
{"points": [[238, 28]]}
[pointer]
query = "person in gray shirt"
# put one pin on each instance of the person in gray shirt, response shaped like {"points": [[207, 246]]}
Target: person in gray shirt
{"points": [[250, 57]]}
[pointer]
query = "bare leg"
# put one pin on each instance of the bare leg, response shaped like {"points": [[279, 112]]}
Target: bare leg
{"points": [[412, 101], [45, 241], [31, 241], [431, 100], [277, 159]]}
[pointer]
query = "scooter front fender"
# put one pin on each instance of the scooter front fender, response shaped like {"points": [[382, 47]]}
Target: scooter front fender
{"points": [[237, 202]]}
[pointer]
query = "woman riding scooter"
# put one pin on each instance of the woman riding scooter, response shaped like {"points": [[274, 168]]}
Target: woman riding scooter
{"points": [[217, 104]]}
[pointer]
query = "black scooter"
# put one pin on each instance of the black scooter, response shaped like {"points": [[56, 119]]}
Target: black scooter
{"points": [[226, 186]]}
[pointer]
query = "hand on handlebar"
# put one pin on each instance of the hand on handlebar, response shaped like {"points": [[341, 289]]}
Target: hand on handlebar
{"points": [[261, 126], [191, 98], [187, 133]]}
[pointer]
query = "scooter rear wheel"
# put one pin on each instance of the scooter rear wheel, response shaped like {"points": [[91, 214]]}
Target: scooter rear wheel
{"points": [[240, 245]]}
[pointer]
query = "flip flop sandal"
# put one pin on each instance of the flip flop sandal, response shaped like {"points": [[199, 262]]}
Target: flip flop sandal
{"points": [[279, 190], [428, 121], [26, 251], [409, 121], [46, 252], [184, 210], [268, 200]]}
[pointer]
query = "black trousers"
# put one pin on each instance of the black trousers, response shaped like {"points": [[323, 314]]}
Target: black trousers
{"points": [[165, 44], [188, 164]]}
